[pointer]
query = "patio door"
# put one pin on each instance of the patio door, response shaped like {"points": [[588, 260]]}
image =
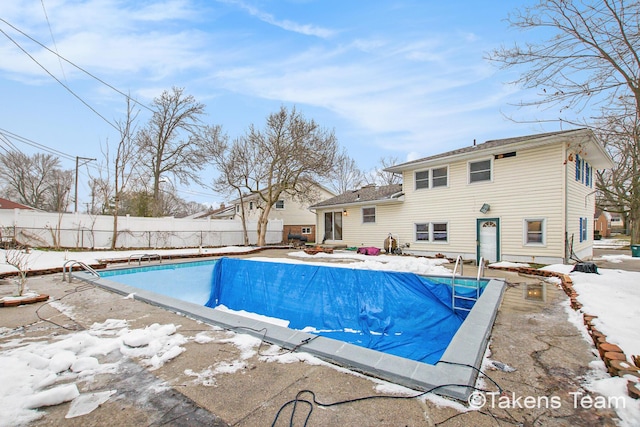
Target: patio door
{"points": [[488, 239], [332, 226]]}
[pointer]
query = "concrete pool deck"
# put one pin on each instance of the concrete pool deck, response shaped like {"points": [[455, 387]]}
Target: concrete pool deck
{"points": [[461, 359], [548, 353]]}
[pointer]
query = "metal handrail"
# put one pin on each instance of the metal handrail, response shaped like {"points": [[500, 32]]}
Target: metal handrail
{"points": [[453, 280], [480, 268], [140, 257], [71, 263]]}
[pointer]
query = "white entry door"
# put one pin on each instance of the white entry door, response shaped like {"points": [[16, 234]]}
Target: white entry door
{"points": [[488, 235]]}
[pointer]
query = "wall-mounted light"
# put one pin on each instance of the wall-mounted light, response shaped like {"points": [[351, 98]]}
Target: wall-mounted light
{"points": [[485, 208], [345, 213]]}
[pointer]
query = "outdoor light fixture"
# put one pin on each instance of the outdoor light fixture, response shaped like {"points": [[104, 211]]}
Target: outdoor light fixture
{"points": [[345, 213], [485, 208]]}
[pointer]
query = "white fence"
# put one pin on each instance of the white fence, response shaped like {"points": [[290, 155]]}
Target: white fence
{"points": [[75, 230]]}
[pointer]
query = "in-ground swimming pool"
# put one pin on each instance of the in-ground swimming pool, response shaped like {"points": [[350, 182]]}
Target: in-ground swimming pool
{"points": [[466, 347], [397, 313]]}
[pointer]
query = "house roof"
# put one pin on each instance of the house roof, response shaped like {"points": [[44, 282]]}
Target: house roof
{"points": [[222, 211], [8, 204], [364, 195], [582, 140]]}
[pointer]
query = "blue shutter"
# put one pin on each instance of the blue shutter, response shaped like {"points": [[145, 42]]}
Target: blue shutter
{"points": [[577, 167], [580, 230]]}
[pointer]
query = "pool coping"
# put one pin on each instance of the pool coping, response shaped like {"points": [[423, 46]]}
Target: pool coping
{"points": [[454, 376]]}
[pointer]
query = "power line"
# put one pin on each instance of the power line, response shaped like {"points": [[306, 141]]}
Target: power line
{"points": [[34, 144], [60, 57], [52, 38], [58, 80]]}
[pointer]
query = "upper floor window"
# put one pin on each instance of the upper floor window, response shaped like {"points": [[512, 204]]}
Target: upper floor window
{"points": [[584, 171], [250, 206], [368, 215], [422, 179], [280, 204], [438, 177], [480, 171]]}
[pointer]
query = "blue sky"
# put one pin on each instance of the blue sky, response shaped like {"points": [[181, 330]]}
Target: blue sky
{"points": [[405, 79]]}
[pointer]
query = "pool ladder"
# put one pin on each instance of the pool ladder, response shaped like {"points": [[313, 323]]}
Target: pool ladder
{"points": [[67, 268], [140, 257], [457, 297]]}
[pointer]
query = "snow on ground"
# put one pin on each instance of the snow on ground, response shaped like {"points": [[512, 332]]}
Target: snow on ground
{"points": [[31, 369], [610, 243], [46, 371], [42, 260]]}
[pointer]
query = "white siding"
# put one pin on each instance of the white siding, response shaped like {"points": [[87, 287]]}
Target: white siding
{"points": [[580, 204], [527, 185]]}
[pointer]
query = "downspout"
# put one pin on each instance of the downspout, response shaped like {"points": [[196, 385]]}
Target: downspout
{"points": [[566, 209]]}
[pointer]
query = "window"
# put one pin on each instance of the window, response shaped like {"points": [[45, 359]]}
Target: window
{"points": [[588, 175], [480, 171], [439, 177], [578, 168], [306, 230], [422, 232], [583, 229], [440, 232], [432, 232], [280, 204], [237, 208], [422, 179], [534, 231], [368, 215], [250, 206]]}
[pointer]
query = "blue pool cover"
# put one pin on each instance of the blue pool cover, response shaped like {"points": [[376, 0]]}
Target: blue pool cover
{"points": [[397, 313]]}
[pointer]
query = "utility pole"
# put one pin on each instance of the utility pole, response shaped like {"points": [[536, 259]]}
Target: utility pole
{"points": [[85, 161]]}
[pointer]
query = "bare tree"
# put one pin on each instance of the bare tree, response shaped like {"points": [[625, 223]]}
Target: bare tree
{"points": [[379, 176], [18, 258], [346, 176], [228, 161], [36, 181], [288, 157], [125, 162], [58, 193], [170, 142], [590, 60], [616, 189]]}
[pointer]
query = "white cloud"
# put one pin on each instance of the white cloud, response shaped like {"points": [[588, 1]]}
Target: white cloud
{"points": [[306, 29]]}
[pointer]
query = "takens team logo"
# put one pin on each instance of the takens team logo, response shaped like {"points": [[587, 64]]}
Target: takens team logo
{"points": [[477, 400]]}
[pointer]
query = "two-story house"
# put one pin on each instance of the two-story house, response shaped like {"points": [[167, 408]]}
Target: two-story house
{"points": [[298, 219], [524, 199]]}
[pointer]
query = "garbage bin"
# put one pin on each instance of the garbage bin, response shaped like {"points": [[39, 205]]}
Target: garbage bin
{"points": [[635, 251]]}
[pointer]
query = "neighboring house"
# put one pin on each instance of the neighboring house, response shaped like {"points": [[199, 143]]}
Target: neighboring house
{"points": [[8, 204], [601, 224], [298, 220], [617, 223], [223, 212], [524, 199]]}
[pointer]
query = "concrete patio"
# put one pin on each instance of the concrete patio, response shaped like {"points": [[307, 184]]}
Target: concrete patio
{"points": [[549, 355]]}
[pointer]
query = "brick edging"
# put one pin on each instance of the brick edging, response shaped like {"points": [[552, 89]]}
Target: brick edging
{"points": [[615, 360]]}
